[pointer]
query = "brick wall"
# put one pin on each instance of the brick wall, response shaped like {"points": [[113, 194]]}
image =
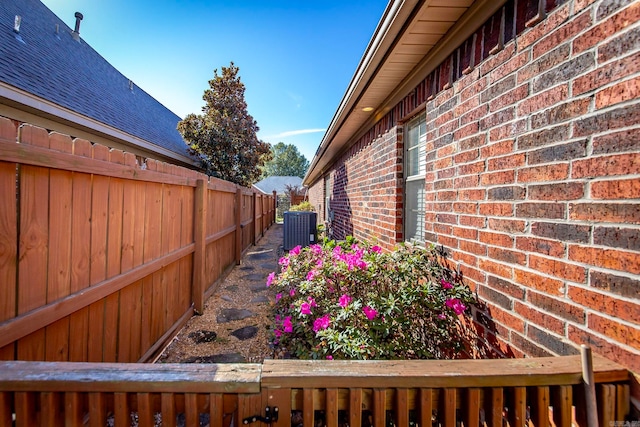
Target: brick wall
{"points": [[536, 196], [533, 181], [366, 191]]}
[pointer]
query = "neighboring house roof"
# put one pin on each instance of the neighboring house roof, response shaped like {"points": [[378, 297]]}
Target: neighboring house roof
{"points": [[278, 184], [46, 70], [412, 38]]}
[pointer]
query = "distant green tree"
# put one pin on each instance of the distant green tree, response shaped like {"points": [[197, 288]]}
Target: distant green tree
{"points": [[224, 137], [286, 160]]}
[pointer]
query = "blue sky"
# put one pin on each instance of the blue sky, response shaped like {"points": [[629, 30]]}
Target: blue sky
{"points": [[296, 58]]}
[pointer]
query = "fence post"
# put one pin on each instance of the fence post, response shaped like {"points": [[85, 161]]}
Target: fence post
{"points": [[255, 217], [238, 225], [275, 205], [199, 258]]}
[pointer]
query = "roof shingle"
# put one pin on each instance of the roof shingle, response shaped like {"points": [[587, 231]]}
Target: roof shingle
{"points": [[54, 66]]}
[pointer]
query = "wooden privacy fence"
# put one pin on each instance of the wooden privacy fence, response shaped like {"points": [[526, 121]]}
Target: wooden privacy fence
{"points": [[495, 393], [103, 259]]}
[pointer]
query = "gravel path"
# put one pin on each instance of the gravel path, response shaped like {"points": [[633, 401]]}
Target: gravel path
{"points": [[236, 318]]}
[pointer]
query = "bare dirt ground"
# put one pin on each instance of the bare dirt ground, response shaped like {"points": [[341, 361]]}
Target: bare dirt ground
{"points": [[214, 336]]}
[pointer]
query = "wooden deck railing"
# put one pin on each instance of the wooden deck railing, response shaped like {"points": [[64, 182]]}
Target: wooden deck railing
{"points": [[539, 391]]}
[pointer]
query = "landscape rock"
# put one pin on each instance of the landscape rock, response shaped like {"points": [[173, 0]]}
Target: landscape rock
{"points": [[231, 314], [245, 333], [217, 358]]}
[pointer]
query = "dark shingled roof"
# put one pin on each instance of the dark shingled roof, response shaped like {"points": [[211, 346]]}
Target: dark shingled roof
{"points": [[68, 72]]}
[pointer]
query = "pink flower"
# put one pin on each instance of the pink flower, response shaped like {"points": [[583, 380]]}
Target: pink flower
{"points": [[329, 357], [377, 249], [369, 312], [278, 296], [305, 308], [319, 263], [295, 251], [287, 325], [277, 333], [284, 261], [316, 249], [292, 292], [270, 278], [445, 284], [442, 316], [321, 323], [312, 274], [312, 302], [456, 305], [344, 300]]}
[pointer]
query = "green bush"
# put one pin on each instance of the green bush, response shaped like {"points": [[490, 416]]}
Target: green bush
{"points": [[302, 207], [350, 300]]}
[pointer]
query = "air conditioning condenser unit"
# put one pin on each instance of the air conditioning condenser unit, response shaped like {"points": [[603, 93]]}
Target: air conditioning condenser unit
{"points": [[299, 229]]}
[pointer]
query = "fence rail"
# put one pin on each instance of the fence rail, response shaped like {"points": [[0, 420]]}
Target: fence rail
{"points": [[103, 258], [540, 391]]}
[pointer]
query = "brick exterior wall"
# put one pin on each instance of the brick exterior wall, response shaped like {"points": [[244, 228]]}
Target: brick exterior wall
{"points": [[366, 191], [533, 182]]}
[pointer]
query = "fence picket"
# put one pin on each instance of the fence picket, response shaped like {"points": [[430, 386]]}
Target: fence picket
{"points": [[8, 238]]}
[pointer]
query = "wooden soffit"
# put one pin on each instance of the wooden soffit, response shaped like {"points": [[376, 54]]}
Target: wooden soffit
{"points": [[412, 38]]}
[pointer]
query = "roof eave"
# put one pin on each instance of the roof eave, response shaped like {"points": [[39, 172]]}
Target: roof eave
{"points": [[464, 27], [388, 28]]}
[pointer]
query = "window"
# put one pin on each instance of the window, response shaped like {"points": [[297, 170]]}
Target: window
{"points": [[327, 198], [415, 167]]}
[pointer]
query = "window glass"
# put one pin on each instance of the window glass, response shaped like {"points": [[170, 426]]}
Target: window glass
{"points": [[415, 166]]}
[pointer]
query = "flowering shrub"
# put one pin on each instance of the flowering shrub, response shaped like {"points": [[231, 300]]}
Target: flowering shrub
{"points": [[349, 300]]}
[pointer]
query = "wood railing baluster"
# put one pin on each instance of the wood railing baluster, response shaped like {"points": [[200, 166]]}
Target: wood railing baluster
{"points": [[331, 407], [355, 407], [540, 407], [191, 412], [121, 412], [518, 409], [168, 408], [73, 409], [379, 407], [472, 407], [562, 400], [402, 407], [145, 409], [97, 410], [448, 406], [308, 410]]}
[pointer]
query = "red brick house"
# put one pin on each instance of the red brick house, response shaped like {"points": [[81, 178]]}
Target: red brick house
{"points": [[507, 132]]}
